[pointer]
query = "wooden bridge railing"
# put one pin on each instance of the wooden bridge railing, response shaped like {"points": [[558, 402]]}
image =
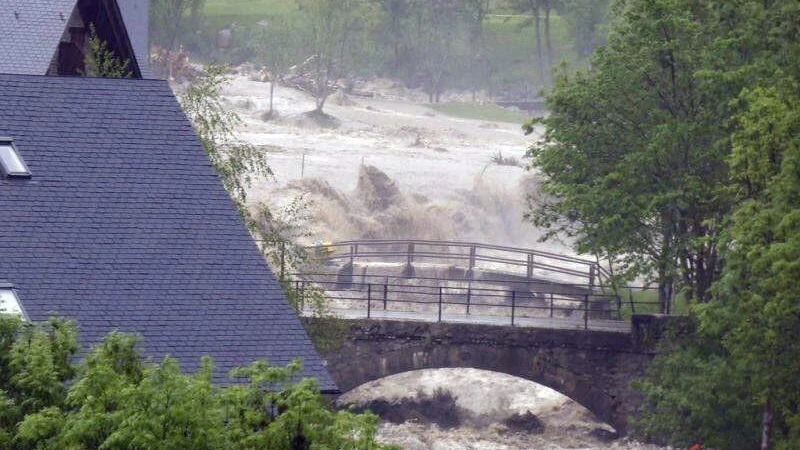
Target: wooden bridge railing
{"points": [[511, 260]]}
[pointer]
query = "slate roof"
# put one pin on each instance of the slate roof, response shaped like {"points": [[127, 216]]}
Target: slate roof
{"points": [[124, 225], [30, 32]]}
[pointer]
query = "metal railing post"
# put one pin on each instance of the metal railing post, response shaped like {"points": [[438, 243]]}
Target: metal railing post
{"points": [[551, 304], [369, 301], [513, 305], [630, 299], [410, 254], [472, 257], [385, 294], [530, 265], [469, 297], [440, 303], [586, 312]]}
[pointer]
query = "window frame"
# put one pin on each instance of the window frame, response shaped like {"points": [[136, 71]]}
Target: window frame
{"points": [[9, 142], [8, 287]]}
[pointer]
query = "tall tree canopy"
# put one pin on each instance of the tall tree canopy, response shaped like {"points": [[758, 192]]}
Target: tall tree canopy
{"points": [[676, 156], [634, 150], [744, 358]]}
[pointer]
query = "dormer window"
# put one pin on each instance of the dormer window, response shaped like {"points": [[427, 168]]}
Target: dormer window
{"points": [[11, 162], [9, 302]]}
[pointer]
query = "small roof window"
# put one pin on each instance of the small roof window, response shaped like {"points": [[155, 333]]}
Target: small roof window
{"points": [[11, 162], [9, 302]]}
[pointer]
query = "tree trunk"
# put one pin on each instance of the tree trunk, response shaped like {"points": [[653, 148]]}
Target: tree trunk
{"points": [[538, 30], [547, 40], [665, 295], [320, 103], [271, 95], [766, 426]]}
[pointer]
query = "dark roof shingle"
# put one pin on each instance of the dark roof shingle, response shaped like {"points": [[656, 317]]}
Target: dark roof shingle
{"points": [[124, 225], [30, 32]]}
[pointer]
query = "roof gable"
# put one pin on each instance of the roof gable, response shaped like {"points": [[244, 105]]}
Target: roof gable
{"points": [[50, 36], [124, 225], [31, 32]]}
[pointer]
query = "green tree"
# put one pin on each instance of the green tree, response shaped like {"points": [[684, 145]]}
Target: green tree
{"points": [[336, 32], [102, 62], [170, 19], [540, 12], [276, 49], [479, 70], [634, 150], [393, 32], [585, 19], [35, 364], [439, 27], [743, 360], [114, 401]]}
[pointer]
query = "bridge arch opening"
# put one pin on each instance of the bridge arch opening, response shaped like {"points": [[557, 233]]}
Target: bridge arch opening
{"points": [[490, 407]]}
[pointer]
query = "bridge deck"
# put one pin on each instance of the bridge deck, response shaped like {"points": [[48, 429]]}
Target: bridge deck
{"points": [[555, 323], [459, 282]]}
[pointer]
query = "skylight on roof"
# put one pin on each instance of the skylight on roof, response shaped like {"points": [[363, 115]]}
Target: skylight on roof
{"points": [[9, 303], [11, 162]]}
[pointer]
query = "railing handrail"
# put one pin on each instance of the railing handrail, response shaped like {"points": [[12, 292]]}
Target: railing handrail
{"points": [[531, 259], [462, 244], [574, 305]]}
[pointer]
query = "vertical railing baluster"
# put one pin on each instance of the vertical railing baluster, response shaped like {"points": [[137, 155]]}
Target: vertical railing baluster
{"points": [[586, 312], [440, 303], [513, 305], [469, 297], [472, 257], [530, 266], [369, 301], [385, 293]]}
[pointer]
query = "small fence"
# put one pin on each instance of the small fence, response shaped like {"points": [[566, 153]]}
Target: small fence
{"points": [[433, 299], [525, 263]]}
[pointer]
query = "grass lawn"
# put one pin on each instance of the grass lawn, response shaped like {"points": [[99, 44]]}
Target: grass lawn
{"points": [[480, 112], [646, 302], [510, 40], [221, 13]]}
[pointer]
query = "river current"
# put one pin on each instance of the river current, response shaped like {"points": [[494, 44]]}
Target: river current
{"points": [[485, 401]]}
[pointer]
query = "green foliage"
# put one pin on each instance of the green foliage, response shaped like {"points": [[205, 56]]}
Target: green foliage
{"points": [[276, 48], [278, 233], [102, 62], [236, 163], [170, 19], [114, 401], [335, 38], [634, 150], [734, 383], [462, 44]]}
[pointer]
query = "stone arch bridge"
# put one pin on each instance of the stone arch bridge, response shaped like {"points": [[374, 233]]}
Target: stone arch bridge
{"points": [[592, 367]]}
